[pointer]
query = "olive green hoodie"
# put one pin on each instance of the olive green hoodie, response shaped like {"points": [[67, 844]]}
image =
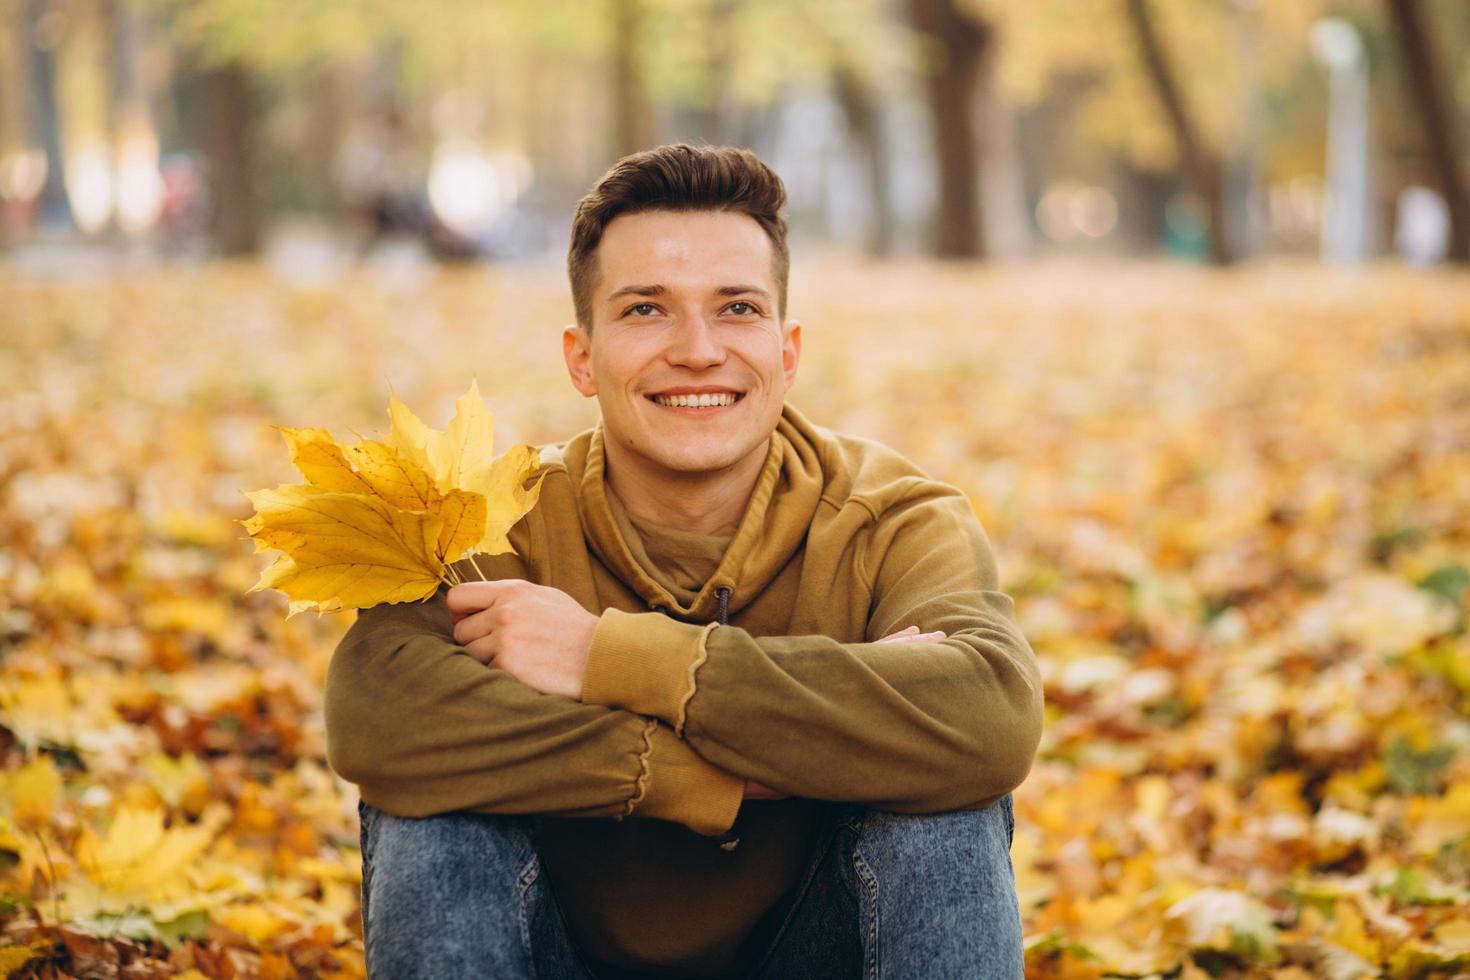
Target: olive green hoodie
{"points": [[770, 674]]}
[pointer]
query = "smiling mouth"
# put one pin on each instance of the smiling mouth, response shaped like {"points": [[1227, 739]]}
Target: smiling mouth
{"points": [[700, 403]]}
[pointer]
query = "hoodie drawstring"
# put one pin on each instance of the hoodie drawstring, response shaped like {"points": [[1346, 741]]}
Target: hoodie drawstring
{"points": [[722, 615]]}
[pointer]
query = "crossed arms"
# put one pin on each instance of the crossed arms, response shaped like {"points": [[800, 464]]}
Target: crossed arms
{"points": [[542, 636], [476, 704]]}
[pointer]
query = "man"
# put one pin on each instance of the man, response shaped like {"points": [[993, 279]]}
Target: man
{"points": [[746, 701]]}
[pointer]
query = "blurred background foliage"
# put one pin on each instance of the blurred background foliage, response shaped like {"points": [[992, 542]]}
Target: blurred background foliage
{"points": [[954, 127]]}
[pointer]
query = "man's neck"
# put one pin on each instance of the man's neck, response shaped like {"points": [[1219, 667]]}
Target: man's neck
{"points": [[701, 503]]}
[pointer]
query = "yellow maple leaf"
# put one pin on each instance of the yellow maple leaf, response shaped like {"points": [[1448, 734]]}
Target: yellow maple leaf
{"points": [[395, 478], [467, 444], [39, 709], [381, 521], [507, 502], [256, 921], [138, 858], [316, 454], [407, 434], [32, 790], [462, 458], [13, 957], [463, 514], [346, 550]]}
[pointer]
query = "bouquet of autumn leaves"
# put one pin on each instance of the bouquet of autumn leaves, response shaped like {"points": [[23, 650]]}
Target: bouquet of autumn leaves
{"points": [[380, 522]]}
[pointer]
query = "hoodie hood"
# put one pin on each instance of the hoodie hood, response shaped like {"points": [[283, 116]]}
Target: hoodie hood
{"points": [[772, 530]]}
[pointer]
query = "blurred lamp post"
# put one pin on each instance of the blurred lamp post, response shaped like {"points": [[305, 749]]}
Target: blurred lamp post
{"points": [[22, 175], [89, 187], [139, 183], [464, 189], [1345, 227], [471, 190]]}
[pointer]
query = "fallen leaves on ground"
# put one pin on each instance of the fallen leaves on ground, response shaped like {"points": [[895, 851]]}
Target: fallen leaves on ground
{"points": [[1233, 509]]}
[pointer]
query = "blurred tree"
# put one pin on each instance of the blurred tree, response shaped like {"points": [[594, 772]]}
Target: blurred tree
{"points": [[569, 85], [1250, 95], [632, 122], [1200, 165], [860, 104], [43, 34], [18, 156], [958, 44], [863, 46], [227, 126], [1434, 100]]}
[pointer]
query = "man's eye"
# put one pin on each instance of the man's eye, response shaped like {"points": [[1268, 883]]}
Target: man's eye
{"points": [[642, 309], [741, 308]]}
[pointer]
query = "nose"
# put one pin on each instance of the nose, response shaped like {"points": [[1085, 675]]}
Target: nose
{"points": [[694, 344]]}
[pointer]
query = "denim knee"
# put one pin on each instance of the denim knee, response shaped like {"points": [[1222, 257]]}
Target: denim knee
{"points": [[987, 832], [446, 895], [938, 894]]}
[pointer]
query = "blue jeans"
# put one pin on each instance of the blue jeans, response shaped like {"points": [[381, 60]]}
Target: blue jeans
{"points": [[886, 896]]}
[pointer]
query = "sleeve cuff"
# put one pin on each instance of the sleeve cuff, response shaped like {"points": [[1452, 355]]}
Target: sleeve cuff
{"points": [[682, 786], [644, 663]]}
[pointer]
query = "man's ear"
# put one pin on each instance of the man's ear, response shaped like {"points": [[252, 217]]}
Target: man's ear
{"points": [[790, 350], [576, 348]]}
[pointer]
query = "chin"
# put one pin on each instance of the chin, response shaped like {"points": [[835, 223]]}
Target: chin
{"points": [[699, 462], [707, 453]]}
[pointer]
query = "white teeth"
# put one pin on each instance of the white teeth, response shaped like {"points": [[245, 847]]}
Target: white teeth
{"points": [[696, 401]]}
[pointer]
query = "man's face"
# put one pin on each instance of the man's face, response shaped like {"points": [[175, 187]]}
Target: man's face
{"points": [[684, 310]]}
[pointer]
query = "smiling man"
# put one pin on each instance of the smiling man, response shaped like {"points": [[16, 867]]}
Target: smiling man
{"points": [[746, 702]]}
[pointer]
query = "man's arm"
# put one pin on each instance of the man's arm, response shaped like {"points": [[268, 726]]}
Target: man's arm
{"points": [[422, 729], [908, 727]]}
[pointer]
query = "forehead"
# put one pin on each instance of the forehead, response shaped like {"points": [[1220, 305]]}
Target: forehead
{"points": [[683, 249]]}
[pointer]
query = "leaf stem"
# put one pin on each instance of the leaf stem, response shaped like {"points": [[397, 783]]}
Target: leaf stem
{"points": [[50, 877], [478, 570]]}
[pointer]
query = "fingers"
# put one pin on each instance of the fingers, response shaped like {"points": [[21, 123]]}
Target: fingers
{"points": [[759, 791], [911, 634], [471, 626], [483, 650], [471, 597]]}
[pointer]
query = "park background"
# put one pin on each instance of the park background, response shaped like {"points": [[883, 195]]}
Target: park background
{"points": [[1175, 290]]}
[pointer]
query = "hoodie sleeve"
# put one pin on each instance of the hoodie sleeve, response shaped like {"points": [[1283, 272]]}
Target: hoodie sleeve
{"points": [[424, 728], [906, 727]]}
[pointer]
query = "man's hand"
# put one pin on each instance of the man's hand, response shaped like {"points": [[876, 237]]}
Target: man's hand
{"points": [[757, 791], [538, 634], [909, 634]]}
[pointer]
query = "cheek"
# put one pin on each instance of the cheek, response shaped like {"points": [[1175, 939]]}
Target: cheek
{"points": [[763, 354], [622, 369]]}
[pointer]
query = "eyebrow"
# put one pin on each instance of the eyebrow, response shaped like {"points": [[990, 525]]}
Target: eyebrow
{"points": [[657, 290]]}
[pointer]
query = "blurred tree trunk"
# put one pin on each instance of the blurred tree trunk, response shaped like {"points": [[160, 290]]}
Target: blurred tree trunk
{"points": [[959, 42], [1434, 101], [15, 82], [227, 134], [53, 206], [865, 121], [330, 98], [1201, 169], [631, 129], [1004, 212], [713, 116]]}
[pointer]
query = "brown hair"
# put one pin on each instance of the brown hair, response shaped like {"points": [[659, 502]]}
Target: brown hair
{"points": [[677, 177]]}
